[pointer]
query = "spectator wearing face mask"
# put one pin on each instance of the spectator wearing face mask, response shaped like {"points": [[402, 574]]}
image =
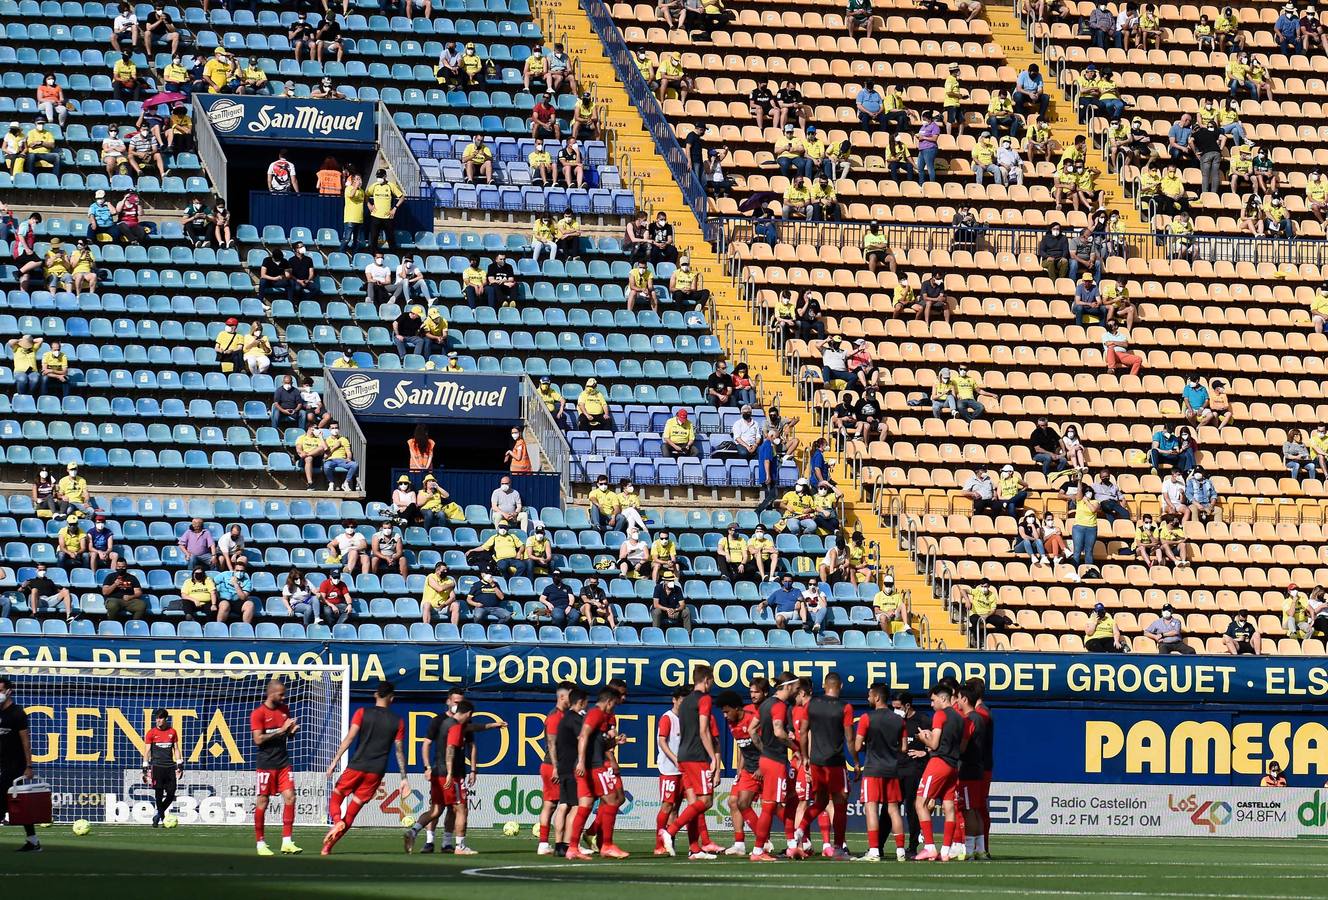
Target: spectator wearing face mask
{"points": [[669, 607], [500, 553], [1165, 451], [1241, 637], [1168, 633], [1274, 778], [633, 555], [350, 548], [782, 602], [980, 604], [1053, 253], [1030, 540], [338, 460], [1102, 634], [1201, 496], [1110, 499], [506, 508], [518, 458], [604, 506]]}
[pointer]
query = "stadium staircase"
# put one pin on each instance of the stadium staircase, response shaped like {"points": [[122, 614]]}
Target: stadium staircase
{"points": [[741, 336], [1008, 32]]}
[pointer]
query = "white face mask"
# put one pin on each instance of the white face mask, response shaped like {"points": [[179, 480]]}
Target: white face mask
{"points": [[4, 697], [901, 714], [1167, 614]]}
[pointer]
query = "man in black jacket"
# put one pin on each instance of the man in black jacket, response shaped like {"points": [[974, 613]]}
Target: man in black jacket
{"points": [[1045, 442], [911, 766]]}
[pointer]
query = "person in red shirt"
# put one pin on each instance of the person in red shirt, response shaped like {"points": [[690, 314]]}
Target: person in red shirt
{"points": [[979, 687], [272, 725], [548, 776], [775, 727], [544, 119], [699, 764], [946, 739], [801, 785], [828, 733], [334, 598], [619, 795], [162, 762], [742, 723], [380, 732], [596, 779]]}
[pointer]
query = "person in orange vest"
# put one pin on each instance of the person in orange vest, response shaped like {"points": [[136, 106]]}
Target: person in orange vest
{"points": [[330, 182]]}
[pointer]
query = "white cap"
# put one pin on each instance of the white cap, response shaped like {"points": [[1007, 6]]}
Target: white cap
{"points": [[100, 195], [1006, 468]]}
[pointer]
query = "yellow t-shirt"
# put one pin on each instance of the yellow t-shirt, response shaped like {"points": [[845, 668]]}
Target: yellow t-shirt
{"points": [[678, 432], [381, 197], [663, 551], [1085, 514], [639, 279], [1296, 605], [308, 443], [535, 546], [593, 402], [966, 386], [354, 209], [551, 397], [198, 592], [473, 277], [1316, 191], [887, 602], [25, 359], [434, 325], [73, 488], [1319, 303], [216, 73], [1007, 486], [471, 62], [175, 73], [814, 148], [1105, 628], [438, 591], [954, 94], [796, 504], [984, 152], [761, 547], [794, 194], [538, 159], [56, 362], [338, 447], [788, 148], [503, 546], [124, 70], [604, 499], [71, 538], [983, 601], [732, 549]]}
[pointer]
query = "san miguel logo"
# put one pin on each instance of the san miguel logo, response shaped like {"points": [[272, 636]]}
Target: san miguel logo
{"points": [[360, 391], [225, 115], [309, 119], [449, 395]]}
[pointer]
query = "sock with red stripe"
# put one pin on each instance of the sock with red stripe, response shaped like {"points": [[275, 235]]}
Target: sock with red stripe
{"points": [[841, 822], [608, 816], [928, 830], [873, 838], [899, 840], [578, 826], [287, 820], [823, 823], [949, 833], [259, 815], [544, 833]]}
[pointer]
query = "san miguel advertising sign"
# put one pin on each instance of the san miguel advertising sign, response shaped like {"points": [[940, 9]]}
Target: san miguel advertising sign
{"points": [[376, 394], [239, 118]]}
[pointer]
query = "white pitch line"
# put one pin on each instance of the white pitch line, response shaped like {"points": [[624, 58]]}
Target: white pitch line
{"points": [[504, 873]]}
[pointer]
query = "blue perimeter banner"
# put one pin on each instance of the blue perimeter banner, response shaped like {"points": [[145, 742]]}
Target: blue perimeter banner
{"points": [[445, 396], [531, 669], [277, 119]]}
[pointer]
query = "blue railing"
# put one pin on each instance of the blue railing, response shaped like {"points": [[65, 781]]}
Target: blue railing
{"points": [[629, 76]]}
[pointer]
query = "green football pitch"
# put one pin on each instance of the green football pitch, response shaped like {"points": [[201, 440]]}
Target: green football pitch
{"points": [[199, 863]]}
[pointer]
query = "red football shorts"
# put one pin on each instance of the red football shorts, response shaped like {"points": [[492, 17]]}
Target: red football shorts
{"points": [[697, 777], [879, 789], [973, 794], [746, 781], [802, 782], [939, 780], [828, 778], [447, 796], [551, 790], [774, 781], [670, 788], [272, 782], [603, 781], [361, 785]]}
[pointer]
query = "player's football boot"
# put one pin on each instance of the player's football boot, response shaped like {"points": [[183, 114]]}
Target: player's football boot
{"points": [[429, 848], [666, 841], [660, 851], [700, 855], [330, 839], [927, 854], [574, 853], [712, 847], [761, 856], [29, 847], [156, 820], [959, 854], [289, 848], [465, 851], [612, 851], [827, 851], [265, 850], [736, 850], [840, 853], [872, 855], [408, 839], [546, 850]]}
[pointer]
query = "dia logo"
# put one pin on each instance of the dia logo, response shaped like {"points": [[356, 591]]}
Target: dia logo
{"points": [[512, 801]]}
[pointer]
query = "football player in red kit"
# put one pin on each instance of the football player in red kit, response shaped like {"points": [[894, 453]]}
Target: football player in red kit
{"points": [[747, 786], [972, 787], [829, 731], [698, 761], [883, 734], [547, 779], [801, 786], [946, 739], [775, 730], [379, 732], [596, 777], [979, 687], [272, 726]]}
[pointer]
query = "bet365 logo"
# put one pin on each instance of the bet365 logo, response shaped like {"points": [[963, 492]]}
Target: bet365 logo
{"points": [[1204, 813]]}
